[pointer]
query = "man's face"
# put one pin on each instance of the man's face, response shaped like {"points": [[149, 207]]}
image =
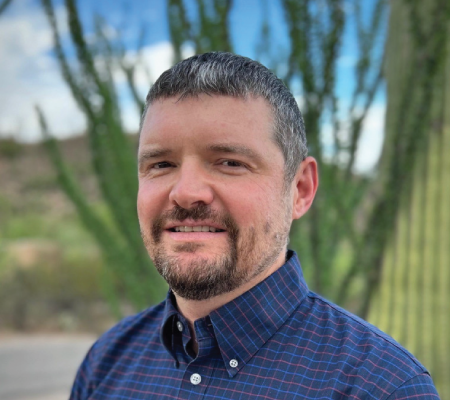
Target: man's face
{"points": [[212, 204]]}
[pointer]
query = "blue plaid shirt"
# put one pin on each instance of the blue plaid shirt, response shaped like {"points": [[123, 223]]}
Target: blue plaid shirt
{"points": [[276, 341]]}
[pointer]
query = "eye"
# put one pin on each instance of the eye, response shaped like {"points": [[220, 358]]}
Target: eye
{"points": [[232, 163], [161, 165]]}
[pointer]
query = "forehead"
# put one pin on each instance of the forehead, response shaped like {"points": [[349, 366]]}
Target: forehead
{"points": [[208, 116]]}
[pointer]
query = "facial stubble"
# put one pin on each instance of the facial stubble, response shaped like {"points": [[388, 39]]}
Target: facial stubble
{"points": [[204, 278]]}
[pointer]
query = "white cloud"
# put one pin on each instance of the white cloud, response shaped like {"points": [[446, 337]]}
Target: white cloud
{"points": [[154, 60], [371, 140], [30, 75], [157, 58]]}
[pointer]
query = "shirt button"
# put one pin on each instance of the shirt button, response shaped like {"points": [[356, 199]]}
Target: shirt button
{"points": [[233, 363], [196, 379], [180, 326]]}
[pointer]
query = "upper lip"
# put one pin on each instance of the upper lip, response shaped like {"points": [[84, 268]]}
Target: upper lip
{"points": [[172, 225]]}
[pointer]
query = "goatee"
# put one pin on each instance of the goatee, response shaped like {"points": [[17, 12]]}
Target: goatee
{"points": [[203, 278]]}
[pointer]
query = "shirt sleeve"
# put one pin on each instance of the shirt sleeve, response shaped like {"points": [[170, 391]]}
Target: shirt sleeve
{"points": [[420, 387]]}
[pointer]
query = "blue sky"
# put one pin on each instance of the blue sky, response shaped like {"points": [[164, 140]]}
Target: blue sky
{"points": [[29, 73]]}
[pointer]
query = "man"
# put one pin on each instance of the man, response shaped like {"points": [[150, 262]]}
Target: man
{"points": [[223, 172]]}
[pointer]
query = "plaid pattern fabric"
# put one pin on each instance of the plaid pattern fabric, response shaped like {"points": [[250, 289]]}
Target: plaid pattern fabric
{"points": [[276, 341]]}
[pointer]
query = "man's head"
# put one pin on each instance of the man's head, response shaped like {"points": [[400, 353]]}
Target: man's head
{"points": [[214, 203], [227, 74]]}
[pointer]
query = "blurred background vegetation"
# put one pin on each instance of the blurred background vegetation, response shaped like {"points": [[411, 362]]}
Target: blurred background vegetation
{"points": [[375, 242]]}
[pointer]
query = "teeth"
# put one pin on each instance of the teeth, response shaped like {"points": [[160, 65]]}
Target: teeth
{"points": [[195, 229]]}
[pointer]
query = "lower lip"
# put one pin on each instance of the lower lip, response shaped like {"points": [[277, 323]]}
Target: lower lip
{"points": [[195, 236]]}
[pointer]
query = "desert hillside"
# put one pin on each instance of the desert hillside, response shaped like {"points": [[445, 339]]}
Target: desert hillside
{"points": [[50, 266], [28, 180]]}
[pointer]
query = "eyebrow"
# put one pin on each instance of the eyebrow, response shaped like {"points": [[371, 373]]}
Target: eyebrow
{"points": [[234, 149], [152, 153]]}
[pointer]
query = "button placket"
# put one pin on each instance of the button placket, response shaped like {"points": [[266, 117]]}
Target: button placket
{"points": [[198, 374]]}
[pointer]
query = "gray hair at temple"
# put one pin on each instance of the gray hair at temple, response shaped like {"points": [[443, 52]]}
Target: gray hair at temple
{"points": [[227, 74]]}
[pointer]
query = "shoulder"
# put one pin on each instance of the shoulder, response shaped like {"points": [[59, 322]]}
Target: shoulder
{"points": [[358, 339], [355, 352], [419, 387], [117, 346], [131, 330]]}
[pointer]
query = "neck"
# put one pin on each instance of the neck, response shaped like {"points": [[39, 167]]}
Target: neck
{"points": [[195, 309]]}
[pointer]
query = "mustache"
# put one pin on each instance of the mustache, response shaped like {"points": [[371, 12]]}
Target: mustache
{"points": [[199, 213]]}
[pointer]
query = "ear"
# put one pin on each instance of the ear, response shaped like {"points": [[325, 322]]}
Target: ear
{"points": [[305, 185]]}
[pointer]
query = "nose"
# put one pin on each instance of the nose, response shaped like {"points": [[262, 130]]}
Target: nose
{"points": [[191, 188]]}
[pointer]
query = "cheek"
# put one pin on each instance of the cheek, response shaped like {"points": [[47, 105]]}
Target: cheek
{"points": [[252, 212], [149, 201], [257, 202], [141, 201]]}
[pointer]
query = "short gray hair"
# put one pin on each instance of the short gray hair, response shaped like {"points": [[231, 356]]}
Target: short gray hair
{"points": [[227, 74]]}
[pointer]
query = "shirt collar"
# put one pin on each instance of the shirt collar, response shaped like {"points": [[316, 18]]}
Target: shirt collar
{"points": [[246, 323]]}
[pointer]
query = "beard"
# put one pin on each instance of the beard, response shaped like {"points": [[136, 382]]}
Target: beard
{"points": [[204, 278]]}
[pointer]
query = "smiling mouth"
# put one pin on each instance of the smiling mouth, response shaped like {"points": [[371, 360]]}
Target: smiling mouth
{"points": [[195, 229]]}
